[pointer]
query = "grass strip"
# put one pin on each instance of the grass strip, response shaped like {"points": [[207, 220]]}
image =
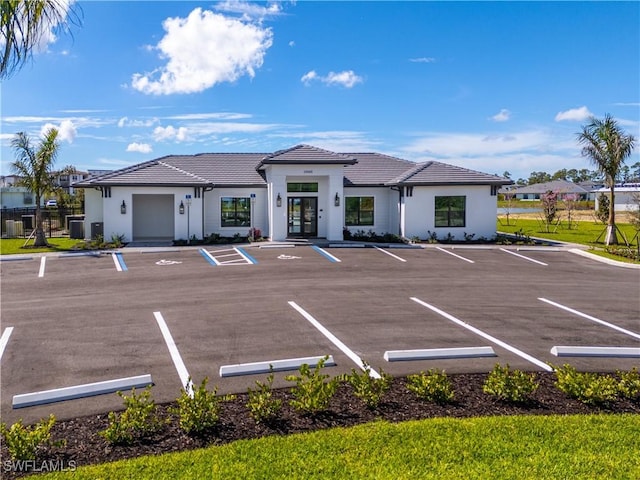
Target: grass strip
{"points": [[14, 246], [542, 447], [584, 233]]}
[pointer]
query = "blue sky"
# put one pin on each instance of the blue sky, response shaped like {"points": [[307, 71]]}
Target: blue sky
{"points": [[492, 86]]}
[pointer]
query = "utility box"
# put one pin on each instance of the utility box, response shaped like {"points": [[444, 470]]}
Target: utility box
{"points": [[97, 228], [76, 229], [28, 222]]}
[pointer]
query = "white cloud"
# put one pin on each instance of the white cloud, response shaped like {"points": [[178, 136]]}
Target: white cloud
{"points": [[139, 147], [502, 116], [422, 60], [334, 140], [203, 50], [574, 115], [207, 116], [66, 130], [346, 78], [518, 152], [250, 11], [127, 122], [170, 133], [292, 43], [308, 77], [203, 129]]}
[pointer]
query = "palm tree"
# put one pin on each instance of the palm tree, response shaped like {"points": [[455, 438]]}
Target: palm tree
{"points": [[35, 167], [24, 25], [607, 147]]}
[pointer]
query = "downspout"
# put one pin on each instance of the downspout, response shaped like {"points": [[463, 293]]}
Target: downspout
{"points": [[400, 191], [204, 189]]}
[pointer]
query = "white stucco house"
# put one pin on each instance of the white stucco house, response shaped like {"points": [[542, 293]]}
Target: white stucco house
{"points": [[624, 196], [302, 191]]}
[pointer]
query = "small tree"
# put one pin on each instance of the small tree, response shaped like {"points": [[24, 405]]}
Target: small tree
{"points": [[34, 165], [570, 200], [607, 146], [549, 209]]}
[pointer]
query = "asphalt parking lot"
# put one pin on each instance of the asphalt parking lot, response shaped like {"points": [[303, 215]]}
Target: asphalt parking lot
{"points": [[173, 313]]}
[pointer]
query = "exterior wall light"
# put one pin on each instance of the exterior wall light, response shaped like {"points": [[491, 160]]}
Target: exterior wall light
{"points": [[278, 201], [336, 200], [123, 208], [181, 208]]}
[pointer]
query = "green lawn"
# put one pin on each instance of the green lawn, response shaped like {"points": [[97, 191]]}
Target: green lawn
{"points": [[585, 233], [517, 447], [13, 246]]}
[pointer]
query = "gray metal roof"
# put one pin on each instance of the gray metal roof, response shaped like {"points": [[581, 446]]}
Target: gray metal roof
{"points": [[246, 169]]}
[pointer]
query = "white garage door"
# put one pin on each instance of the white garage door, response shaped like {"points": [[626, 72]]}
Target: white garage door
{"points": [[153, 217]]}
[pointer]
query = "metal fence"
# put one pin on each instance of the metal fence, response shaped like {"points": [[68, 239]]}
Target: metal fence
{"points": [[56, 222]]}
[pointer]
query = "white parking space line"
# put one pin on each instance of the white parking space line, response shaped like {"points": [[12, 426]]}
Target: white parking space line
{"points": [[275, 365], [454, 254], [593, 319], [80, 391], [390, 254], [185, 379], [116, 262], [346, 350], [43, 262], [522, 256], [326, 254], [5, 339], [477, 331]]}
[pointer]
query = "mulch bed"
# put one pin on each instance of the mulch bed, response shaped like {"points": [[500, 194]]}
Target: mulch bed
{"points": [[84, 446]]}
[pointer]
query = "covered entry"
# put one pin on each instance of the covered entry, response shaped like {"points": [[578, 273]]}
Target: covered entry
{"points": [[153, 217], [303, 218]]}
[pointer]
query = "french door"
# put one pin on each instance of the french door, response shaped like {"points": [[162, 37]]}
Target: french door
{"points": [[303, 219]]}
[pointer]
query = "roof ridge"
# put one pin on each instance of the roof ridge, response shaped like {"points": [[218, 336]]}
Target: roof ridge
{"points": [[193, 175], [127, 169], [417, 168], [305, 145]]}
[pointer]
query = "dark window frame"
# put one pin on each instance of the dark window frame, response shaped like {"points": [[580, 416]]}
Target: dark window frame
{"points": [[361, 214], [235, 217], [447, 211], [302, 187]]}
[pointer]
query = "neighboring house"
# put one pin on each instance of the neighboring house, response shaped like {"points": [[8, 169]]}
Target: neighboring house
{"points": [[16, 197], [66, 181], [561, 187], [303, 191], [623, 196]]}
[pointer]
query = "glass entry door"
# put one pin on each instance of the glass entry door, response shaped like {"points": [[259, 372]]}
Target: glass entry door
{"points": [[303, 220]]}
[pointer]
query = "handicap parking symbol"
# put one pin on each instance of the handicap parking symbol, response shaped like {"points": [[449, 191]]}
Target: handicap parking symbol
{"points": [[167, 262]]}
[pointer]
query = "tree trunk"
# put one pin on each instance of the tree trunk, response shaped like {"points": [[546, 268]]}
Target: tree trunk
{"points": [[40, 239], [611, 237]]}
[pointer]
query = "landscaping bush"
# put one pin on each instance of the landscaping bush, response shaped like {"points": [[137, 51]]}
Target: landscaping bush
{"points": [[311, 392], [629, 384], [510, 385], [589, 388], [139, 419], [432, 386], [201, 410], [261, 404], [23, 441], [367, 388]]}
